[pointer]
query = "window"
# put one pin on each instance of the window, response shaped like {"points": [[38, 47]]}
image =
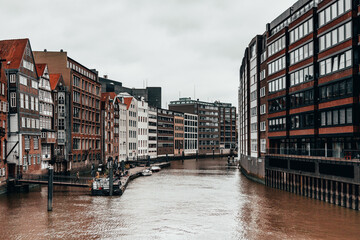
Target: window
{"points": [[254, 145], [277, 104], [12, 78], [304, 120], [27, 142], [263, 145], [26, 101], [21, 100], [277, 124], [336, 63], [335, 36], [262, 109], [334, 11], [253, 127], [277, 84], [76, 81], [262, 92], [336, 117], [13, 99], [28, 65], [276, 65], [32, 102], [301, 53], [34, 84], [302, 98], [302, 75], [23, 80], [301, 31], [335, 90], [276, 46], [253, 111], [262, 126], [253, 96], [36, 143], [76, 143], [36, 104]]}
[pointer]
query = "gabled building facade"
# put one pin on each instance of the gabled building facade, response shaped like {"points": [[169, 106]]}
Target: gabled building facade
{"points": [[61, 97], [3, 127], [110, 126], [132, 129], [46, 110], [24, 121]]}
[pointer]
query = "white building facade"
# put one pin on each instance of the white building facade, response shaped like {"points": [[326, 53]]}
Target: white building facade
{"points": [[142, 128], [190, 134]]}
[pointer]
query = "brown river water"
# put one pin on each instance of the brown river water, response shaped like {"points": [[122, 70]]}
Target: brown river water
{"points": [[190, 200]]}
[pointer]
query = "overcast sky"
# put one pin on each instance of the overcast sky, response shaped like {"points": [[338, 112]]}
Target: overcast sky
{"points": [[180, 45]]}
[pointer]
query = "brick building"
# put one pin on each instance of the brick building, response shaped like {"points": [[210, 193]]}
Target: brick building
{"points": [[3, 127], [298, 91], [152, 132], [208, 122], [227, 120], [110, 126], [165, 132], [61, 98], [84, 107], [178, 133], [24, 122]]}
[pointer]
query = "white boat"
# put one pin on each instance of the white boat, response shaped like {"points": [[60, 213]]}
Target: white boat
{"points": [[155, 168], [146, 172]]}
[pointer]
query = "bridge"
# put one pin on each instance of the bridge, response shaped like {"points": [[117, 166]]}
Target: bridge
{"points": [[69, 181]]}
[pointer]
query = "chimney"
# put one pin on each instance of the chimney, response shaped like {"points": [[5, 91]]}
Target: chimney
{"points": [[61, 50], [45, 50], [106, 76]]}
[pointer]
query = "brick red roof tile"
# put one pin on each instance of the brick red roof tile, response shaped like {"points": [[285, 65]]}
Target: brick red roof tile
{"points": [[127, 101], [12, 51], [112, 95], [54, 79], [40, 68]]}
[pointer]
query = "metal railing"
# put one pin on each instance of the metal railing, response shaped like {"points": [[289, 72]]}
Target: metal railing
{"points": [[346, 154], [58, 178]]}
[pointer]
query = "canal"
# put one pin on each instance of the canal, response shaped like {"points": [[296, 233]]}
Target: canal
{"points": [[191, 200]]}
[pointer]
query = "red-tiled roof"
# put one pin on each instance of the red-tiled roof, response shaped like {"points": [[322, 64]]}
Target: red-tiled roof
{"points": [[40, 68], [54, 79], [127, 101], [12, 51], [112, 95]]}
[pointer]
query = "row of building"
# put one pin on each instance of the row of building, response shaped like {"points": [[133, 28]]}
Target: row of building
{"points": [[55, 110], [299, 94]]}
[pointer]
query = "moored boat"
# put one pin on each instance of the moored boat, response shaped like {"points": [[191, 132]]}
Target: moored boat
{"points": [[146, 172], [155, 168]]}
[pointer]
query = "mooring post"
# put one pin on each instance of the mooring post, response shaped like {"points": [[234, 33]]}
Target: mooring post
{"points": [[50, 187], [110, 162]]}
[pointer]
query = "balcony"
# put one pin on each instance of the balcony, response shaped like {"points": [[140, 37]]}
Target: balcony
{"points": [[347, 155]]}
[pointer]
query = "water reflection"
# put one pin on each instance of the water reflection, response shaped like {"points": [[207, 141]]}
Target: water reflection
{"points": [[192, 200]]}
